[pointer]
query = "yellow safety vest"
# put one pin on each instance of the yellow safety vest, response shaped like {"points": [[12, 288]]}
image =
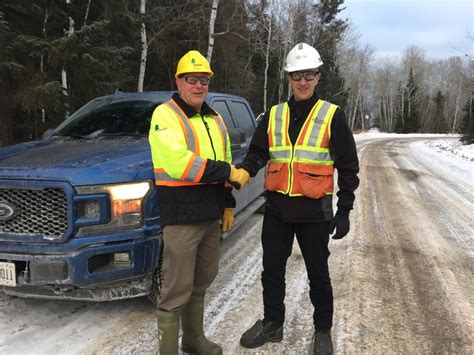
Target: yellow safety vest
{"points": [[180, 146], [305, 169]]}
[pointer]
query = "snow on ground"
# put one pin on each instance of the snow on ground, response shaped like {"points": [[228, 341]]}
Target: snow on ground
{"points": [[83, 326], [445, 152]]}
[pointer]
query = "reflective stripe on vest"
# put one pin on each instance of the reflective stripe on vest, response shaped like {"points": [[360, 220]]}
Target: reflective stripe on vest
{"points": [[196, 165], [223, 133], [307, 167]]}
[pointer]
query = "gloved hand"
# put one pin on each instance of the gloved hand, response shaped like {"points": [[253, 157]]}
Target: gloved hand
{"points": [[239, 177], [341, 223], [227, 219]]}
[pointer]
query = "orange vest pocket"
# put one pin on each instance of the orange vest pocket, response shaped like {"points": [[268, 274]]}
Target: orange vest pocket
{"points": [[277, 177], [311, 180]]}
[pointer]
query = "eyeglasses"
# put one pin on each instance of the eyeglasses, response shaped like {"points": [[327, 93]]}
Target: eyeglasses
{"points": [[194, 79], [308, 75]]}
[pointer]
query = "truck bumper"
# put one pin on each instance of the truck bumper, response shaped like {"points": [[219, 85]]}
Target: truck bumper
{"points": [[97, 272], [124, 289]]}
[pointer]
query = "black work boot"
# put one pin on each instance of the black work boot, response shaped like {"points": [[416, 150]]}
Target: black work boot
{"points": [[262, 332], [322, 343]]}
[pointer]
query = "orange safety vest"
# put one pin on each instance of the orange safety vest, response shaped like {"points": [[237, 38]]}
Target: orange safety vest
{"points": [[305, 169], [194, 168]]}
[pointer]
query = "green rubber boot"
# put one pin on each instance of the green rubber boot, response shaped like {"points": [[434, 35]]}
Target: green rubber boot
{"points": [[194, 341], [168, 332]]}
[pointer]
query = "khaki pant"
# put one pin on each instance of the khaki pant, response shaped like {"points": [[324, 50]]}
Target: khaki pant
{"points": [[190, 262]]}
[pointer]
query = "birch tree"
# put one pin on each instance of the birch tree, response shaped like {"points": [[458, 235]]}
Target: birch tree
{"points": [[45, 21], [385, 84], [458, 89], [354, 63], [86, 14], [212, 21], [144, 52], [285, 23], [64, 82], [415, 64], [268, 27]]}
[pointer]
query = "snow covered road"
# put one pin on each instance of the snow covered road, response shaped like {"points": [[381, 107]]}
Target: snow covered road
{"points": [[405, 285], [402, 278]]}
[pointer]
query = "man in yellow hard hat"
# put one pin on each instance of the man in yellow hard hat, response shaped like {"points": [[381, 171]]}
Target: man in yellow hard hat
{"points": [[192, 161]]}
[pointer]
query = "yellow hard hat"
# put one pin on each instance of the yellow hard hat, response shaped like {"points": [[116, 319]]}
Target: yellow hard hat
{"points": [[193, 62]]}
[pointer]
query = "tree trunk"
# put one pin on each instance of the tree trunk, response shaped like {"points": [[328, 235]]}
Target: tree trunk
{"points": [[46, 15], [141, 75], [63, 71], [354, 109], [87, 12], [267, 55], [456, 111], [212, 20]]}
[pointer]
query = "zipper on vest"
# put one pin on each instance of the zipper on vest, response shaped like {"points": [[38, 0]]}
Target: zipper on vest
{"points": [[209, 134], [290, 169], [290, 164]]}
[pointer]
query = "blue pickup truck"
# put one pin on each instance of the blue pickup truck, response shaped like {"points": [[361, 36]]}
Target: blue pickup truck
{"points": [[79, 214]]}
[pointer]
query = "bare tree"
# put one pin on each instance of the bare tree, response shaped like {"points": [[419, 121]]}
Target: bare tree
{"points": [[354, 63], [86, 15], [141, 75], [45, 21], [268, 27], [212, 20], [64, 83], [286, 24], [385, 86]]}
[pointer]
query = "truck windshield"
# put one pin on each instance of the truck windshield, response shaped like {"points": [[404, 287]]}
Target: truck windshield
{"points": [[109, 118]]}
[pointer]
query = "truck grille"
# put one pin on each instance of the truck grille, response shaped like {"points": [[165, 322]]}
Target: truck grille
{"points": [[39, 211]]}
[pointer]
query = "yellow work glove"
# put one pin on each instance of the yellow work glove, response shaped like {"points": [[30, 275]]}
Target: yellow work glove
{"points": [[238, 177], [227, 219]]}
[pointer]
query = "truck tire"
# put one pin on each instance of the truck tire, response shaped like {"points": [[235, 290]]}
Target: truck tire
{"points": [[157, 280]]}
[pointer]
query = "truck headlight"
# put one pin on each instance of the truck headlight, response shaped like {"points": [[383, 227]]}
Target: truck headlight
{"points": [[125, 209], [126, 203]]}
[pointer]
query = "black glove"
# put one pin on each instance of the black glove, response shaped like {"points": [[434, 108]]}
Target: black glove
{"points": [[340, 222]]}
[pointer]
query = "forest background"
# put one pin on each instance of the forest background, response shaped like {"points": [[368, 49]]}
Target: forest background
{"points": [[56, 55]]}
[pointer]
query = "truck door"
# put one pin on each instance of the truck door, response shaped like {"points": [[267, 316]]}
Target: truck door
{"points": [[239, 142], [236, 134]]}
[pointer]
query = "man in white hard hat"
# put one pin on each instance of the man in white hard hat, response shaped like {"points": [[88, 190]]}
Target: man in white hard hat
{"points": [[302, 141]]}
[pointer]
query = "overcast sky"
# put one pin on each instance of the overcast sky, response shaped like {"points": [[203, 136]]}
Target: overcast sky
{"points": [[390, 26]]}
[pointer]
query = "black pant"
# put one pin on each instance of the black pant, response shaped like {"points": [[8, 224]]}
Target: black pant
{"points": [[277, 242]]}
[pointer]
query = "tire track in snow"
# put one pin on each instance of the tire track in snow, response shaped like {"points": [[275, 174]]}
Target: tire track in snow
{"points": [[246, 270]]}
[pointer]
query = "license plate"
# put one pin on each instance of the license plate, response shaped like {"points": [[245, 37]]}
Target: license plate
{"points": [[7, 274]]}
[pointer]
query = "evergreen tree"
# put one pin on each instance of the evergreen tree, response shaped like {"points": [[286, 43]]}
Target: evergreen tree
{"points": [[466, 127], [408, 118], [439, 123], [33, 92], [5, 99], [326, 32], [97, 45]]}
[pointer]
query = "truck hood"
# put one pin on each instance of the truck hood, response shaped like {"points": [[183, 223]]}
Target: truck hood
{"points": [[80, 162]]}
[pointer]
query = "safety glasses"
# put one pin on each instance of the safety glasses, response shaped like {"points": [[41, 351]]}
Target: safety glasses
{"points": [[308, 75], [194, 79]]}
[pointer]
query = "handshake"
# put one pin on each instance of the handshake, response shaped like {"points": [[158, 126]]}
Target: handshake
{"points": [[239, 177]]}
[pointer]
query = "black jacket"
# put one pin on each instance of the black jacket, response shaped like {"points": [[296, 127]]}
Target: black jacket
{"points": [[344, 153], [199, 203]]}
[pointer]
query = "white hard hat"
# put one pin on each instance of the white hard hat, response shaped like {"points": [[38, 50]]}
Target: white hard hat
{"points": [[302, 57]]}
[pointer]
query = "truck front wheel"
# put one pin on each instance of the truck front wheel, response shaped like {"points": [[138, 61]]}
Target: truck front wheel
{"points": [[157, 280]]}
